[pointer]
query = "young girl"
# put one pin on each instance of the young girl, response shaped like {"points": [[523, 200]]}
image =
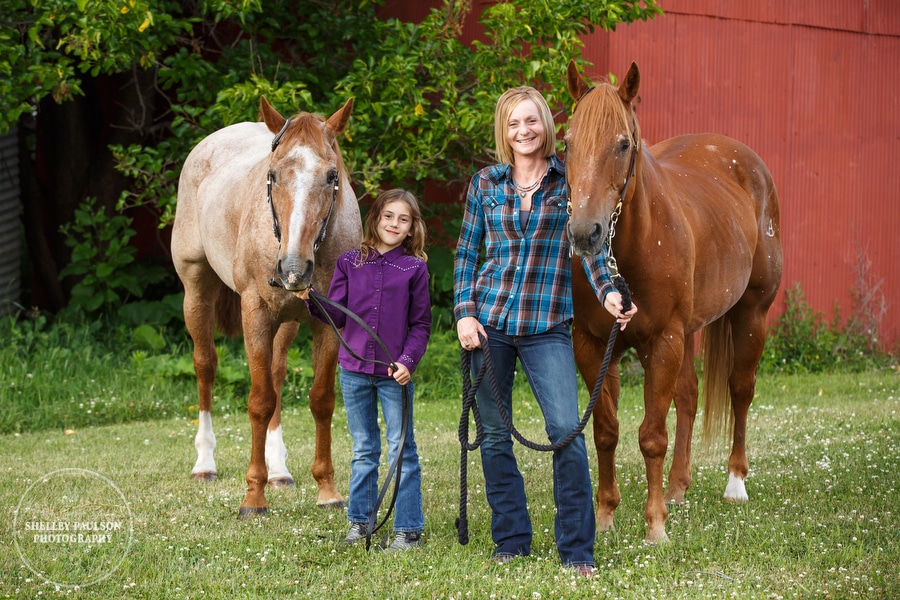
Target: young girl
{"points": [[385, 282]]}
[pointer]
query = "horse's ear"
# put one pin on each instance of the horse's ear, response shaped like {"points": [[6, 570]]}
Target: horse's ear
{"points": [[576, 83], [337, 122], [274, 121], [628, 90]]}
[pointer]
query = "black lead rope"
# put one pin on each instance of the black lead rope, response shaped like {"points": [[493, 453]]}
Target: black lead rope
{"points": [[470, 386], [396, 467]]}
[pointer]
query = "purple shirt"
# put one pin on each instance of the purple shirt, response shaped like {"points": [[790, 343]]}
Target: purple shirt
{"points": [[389, 292]]}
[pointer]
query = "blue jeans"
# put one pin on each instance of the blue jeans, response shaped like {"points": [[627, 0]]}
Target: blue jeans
{"points": [[549, 364], [361, 393]]}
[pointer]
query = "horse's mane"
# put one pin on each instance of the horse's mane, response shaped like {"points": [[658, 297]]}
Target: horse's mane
{"points": [[603, 112]]}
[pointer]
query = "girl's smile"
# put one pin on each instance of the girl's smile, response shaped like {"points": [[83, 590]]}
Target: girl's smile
{"points": [[393, 226]]}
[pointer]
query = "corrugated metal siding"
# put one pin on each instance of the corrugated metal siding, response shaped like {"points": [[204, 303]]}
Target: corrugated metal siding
{"points": [[883, 17], [878, 192], [818, 103], [10, 238], [849, 15], [822, 186]]}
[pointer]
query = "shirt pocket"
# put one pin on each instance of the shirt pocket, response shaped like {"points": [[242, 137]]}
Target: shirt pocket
{"points": [[555, 214], [556, 203], [498, 212], [493, 202]]}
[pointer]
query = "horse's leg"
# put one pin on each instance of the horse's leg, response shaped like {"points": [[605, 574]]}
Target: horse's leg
{"points": [[661, 371], [588, 353], [606, 439], [259, 334], [276, 451], [321, 405], [685, 412], [748, 336], [200, 289]]}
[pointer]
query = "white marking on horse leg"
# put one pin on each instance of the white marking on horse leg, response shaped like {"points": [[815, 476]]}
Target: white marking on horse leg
{"points": [[735, 490], [276, 456], [205, 443]]}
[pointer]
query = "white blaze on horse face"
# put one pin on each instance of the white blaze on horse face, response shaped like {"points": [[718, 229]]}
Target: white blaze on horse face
{"points": [[305, 181]]}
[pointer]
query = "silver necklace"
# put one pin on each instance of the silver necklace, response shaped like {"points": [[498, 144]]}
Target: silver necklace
{"points": [[524, 189]]}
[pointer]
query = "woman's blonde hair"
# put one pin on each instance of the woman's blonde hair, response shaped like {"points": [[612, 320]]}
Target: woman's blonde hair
{"points": [[414, 244], [506, 104]]}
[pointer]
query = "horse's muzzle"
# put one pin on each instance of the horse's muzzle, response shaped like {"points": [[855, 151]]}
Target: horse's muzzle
{"points": [[295, 275], [587, 238]]}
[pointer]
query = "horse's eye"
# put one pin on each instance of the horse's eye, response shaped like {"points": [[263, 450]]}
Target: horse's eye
{"points": [[271, 175], [332, 176], [624, 145]]}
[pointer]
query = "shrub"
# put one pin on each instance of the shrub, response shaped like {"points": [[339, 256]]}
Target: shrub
{"points": [[802, 341]]}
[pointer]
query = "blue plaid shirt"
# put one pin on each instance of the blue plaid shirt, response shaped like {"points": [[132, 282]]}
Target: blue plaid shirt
{"points": [[523, 285]]}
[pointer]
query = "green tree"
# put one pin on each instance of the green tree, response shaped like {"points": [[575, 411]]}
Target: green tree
{"points": [[110, 95]]}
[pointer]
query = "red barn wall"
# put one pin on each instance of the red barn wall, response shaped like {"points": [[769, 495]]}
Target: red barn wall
{"points": [[814, 87]]}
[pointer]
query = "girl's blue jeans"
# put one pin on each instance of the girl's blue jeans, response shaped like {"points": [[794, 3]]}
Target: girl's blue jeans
{"points": [[361, 394]]}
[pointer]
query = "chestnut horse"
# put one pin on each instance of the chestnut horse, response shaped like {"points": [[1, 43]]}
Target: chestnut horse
{"points": [[693, 225], [238, 186]]}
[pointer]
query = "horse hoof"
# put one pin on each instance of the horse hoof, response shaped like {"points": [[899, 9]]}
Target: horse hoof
{"points": [[204, 476], [605, 523], [281, 482], [655, 538], [333, 505], [252, 511], [675, 499]]}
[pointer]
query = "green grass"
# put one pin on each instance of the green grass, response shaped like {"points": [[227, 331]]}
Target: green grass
{"points": [[822, 521]]}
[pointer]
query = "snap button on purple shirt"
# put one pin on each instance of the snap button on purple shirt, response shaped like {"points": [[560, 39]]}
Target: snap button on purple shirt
{"points": [[395, 281]]}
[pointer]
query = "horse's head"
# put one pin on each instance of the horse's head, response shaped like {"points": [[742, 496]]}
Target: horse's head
{"points": [[602, 147], [304, 174]]}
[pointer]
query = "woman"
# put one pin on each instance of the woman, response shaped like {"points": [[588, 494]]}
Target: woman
{"points": [[519, 299]]}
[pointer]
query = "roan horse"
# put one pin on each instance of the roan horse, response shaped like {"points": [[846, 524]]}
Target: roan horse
{"points": [[693, 225], [238, 186]]}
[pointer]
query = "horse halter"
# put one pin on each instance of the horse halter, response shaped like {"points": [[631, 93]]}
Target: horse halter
{"points": [[276, 227], [611, 263]]}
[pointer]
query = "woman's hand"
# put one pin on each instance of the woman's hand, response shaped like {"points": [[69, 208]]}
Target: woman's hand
{"points": [[613, 303], [468, 330]]}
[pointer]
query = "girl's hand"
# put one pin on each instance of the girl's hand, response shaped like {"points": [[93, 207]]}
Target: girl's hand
{"points": [[613, 303], [401, 375], [468, 330]]}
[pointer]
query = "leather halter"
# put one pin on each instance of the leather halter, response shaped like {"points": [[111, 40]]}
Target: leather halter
{"points": [[276, 227], [614, 216]]}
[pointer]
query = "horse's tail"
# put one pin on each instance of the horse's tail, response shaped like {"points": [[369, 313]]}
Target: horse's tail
{"points": [[228, 311], [718, 359]]}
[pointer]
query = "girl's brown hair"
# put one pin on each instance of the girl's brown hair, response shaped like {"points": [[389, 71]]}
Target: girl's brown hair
{"points": [[414, 244]]}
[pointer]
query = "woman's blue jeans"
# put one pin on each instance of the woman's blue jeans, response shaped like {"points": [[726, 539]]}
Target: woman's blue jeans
{"points": [[361, 394], [549, 365]]}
